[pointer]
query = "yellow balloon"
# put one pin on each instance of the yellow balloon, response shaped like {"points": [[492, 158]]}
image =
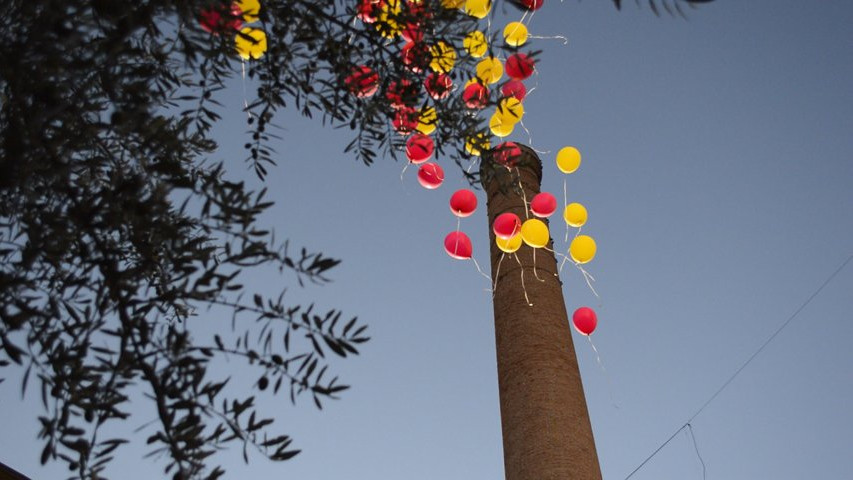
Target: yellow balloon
{"points": [[427, 120], [490, 70], [252, 47], [575, 214], [387, 26], [534, 232], [443, 57], [476, 144], [509, 245], [452, 3], [250, 9], [511, 110], [476, 44], [478, 8], [515, 34], [568, 159], [499, 126], [582, 249]]}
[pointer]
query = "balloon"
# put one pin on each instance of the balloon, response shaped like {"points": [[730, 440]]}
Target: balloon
{"points": [[412, 32], [215, 20], [463, 203], [582, 249], [515, 89], [475, 95], [543, 205], [362, 82], [402, 93], [250, 9], [476, 144], [499, 126], [419, 148], [416, 56], [427, 120], [511, 110], [387, 24], [528, 4], [443, 57], [515, 34], [575, 214], [507, 154], [452, 3], [430, 175], [506, 225], [490, 70], [250, 43], [405, 120], [534, 232], [478, 8], [458, 245], [509, 245], [568, 159], [368, 10], [519, 66], [438, 85], [585, 320], [475, 44]]}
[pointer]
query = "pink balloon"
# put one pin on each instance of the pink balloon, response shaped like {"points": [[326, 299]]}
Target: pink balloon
{"points": [[476, 95], [458, 245], [506, 225], [507, 154], [405, 120], [531, 4], [430, 175], [419, 148], [438, 85], [415, 56], [519, 66], [514, 88], [463, 203], [362, 81], [543, 205], [585, 320]]}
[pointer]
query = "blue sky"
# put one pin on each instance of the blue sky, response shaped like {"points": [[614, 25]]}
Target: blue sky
{"points": [[719, 180]]}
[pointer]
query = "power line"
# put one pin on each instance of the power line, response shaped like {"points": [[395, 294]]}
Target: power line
{"points": [[747, 362]]}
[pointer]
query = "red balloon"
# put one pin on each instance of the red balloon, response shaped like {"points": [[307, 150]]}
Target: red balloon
{"points": [[543, 205], [369, 10], [416, 56], [519, 66], [438, 85], [476, 95], [585, 320], [402, 94], [514, 88], [458, 245], [405, 120], [463, 202], [531, 4], [412, 33], [506, 225], [419, 148], [507, 154], [430, 175], [215, 20], [362, 82]]}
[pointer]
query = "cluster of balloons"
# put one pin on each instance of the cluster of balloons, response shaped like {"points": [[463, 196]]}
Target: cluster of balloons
{"points": [[250, 42]]}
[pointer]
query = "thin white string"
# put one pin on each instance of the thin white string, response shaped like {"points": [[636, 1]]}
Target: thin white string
{"points": [[497, 275], [526, 298]]}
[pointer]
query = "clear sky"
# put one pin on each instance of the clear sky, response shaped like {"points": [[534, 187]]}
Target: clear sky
{"points": [[718, 176]]}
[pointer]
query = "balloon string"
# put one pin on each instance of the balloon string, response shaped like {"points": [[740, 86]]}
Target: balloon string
{"points": [[245, 95], [565, 202], [524, 288], [405, 167], [588, 277], [553, 37], [481, 271], [535, 273], [529, 135], [458, 223], [604, 371], [556, 253], [523, 195], [497, 275], [696, 447]]}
